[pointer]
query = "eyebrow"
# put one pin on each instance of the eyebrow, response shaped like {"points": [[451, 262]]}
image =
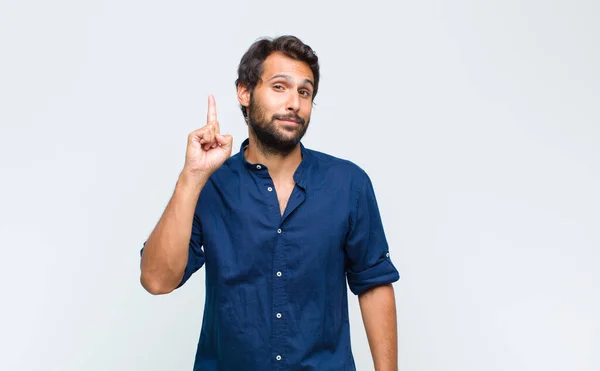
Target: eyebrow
{"points": [[289, 78]]}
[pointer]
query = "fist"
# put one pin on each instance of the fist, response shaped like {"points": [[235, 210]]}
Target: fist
{"points": [[207, 148]]}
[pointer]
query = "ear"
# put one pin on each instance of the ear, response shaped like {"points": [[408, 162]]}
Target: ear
{"points": [[243, 94]]}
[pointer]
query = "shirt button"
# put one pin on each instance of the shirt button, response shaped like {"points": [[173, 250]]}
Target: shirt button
{"points": [[279, 230], [258, 167], [278, 274], [278, 357], [387, 255], [278, 315], [270, 189]]}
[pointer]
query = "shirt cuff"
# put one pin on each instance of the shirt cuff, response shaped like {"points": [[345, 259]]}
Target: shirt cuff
{"points": [[382, 273]]}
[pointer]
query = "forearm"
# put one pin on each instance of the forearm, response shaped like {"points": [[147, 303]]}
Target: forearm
{"points": [[165, 254], [378, 308]]}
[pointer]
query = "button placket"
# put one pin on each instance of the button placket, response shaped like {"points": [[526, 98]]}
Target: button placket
{"points": [[280, 300]]}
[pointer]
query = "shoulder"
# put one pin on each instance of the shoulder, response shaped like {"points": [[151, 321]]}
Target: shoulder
{"points": [[337, 169], [325, 161]]}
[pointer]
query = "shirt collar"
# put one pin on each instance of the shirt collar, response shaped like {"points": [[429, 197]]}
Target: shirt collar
{"points": [[300, 175]]}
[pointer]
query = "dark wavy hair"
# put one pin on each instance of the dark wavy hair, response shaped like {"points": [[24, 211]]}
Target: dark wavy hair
{"points": [[251, 66]]}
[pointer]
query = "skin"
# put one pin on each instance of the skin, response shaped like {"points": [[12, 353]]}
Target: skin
{"points": [[166, 251], [378, 310], [279, 110]]}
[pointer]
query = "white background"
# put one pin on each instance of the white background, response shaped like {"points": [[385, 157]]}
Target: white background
{"points": [[478, 122]]}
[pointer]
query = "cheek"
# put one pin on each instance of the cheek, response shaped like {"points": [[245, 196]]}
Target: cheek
{"points": [[274, 103], [306, 110]]}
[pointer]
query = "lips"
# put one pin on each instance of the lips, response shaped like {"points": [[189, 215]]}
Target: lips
{"points": [[290, 121]]}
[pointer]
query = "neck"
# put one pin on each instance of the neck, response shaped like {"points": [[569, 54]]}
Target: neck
{"points": [[279, 166]]}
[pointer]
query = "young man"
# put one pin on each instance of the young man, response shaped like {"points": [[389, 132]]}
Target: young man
{"points": [[279, 229]]}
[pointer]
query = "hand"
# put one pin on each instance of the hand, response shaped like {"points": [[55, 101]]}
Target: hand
{"points": [[207, 149]]}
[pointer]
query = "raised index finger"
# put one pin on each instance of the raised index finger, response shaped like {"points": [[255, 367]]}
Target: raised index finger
{"points": [[212, 110]]}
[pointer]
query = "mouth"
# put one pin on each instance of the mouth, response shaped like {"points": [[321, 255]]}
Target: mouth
{"points": [[289, 121]]}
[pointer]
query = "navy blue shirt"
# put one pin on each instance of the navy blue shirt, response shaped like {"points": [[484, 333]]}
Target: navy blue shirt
{"points": [[276, 294]]}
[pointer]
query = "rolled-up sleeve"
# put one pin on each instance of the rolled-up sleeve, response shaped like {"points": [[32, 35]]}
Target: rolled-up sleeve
{"points": [[368, 258], [195, 252]]}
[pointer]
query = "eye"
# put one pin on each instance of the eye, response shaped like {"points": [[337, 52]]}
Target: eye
{"points": [[305, 92], [277, 87]]}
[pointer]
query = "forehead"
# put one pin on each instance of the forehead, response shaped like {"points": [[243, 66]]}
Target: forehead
{"points": [[279, 63]]}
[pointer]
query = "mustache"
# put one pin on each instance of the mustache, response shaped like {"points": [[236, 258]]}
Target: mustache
{"points": [[292, 117]]}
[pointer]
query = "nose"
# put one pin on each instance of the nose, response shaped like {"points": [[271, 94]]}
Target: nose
{"points": [[293, 103]]}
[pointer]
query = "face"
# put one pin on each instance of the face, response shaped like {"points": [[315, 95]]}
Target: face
{"points": [[280, 106]]}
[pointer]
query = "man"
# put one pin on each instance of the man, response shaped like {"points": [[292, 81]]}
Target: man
{"points": [[279, 229]]}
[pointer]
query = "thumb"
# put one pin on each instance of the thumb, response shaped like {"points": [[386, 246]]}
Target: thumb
{"points": [[224, 140]]}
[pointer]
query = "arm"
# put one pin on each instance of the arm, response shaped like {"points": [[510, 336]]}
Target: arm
{"points": [[378, 309], [166, 251], [370, 274]]}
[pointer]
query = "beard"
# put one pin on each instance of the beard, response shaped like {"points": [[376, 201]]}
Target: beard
{"points": [[270, 138]]}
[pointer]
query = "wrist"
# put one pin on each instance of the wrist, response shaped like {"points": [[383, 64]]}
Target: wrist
{"points": [[193, 181]]}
